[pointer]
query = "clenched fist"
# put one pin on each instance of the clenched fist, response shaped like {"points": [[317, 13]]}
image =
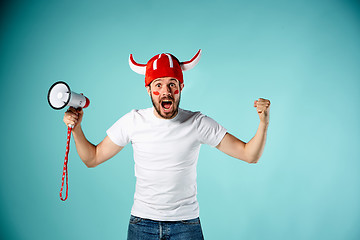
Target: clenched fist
{"points": [[73, 117], [263, 108]]}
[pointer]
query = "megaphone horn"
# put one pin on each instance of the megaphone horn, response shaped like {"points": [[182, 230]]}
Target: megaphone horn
{"points": [[60, 96]]}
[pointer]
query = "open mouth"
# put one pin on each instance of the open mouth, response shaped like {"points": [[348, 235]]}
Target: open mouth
{"points": [[166, 105]]}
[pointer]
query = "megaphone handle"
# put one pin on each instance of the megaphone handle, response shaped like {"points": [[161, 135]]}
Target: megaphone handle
{"points": [[65, 170]]}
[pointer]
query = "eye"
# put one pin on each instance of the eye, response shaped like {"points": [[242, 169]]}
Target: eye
{"points": [[172, 85], [158, 85]]}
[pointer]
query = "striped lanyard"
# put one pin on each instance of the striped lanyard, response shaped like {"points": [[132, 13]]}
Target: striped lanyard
{"points": [[65, 170]]}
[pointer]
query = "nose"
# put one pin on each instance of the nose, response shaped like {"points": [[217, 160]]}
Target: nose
{"points": [[167, 90]]}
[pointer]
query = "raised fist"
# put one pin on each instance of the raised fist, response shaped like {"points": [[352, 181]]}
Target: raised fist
{"points": [[263, 108]]}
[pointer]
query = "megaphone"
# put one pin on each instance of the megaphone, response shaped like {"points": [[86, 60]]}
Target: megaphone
{"points": [[60, 96]]}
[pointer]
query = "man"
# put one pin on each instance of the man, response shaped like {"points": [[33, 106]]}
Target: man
{"points": [[166, 142]]}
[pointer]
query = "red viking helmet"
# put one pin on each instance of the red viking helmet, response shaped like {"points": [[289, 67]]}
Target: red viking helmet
{"points": [[163, 65]]}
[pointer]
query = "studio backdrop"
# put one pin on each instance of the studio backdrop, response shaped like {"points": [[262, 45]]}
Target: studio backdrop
{"points": [[303, 56]]}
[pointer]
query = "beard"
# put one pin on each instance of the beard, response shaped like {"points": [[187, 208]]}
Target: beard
{"points": [[175, 107]]}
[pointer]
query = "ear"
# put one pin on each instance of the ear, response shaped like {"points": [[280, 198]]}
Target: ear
{"points": [[148, 89], [182, 86]]}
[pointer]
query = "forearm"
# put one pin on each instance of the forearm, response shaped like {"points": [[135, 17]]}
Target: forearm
{"points": [[255, 147], [85, 149]]}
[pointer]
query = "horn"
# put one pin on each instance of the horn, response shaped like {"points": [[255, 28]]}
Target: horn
{"points": [[192, 63], [136, 67]]}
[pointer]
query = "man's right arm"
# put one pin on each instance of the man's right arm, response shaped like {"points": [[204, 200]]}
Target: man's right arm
{"points": [[90, 154]]}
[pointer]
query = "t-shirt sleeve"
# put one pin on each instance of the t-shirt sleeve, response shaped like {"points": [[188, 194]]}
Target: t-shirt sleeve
{"points": [[210, 132], [120, 131]]}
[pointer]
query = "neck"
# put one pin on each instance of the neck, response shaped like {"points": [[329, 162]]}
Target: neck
{"points": [[160, 117]]}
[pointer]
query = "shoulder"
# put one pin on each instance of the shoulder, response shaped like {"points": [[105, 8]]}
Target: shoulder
{"points": [[138, 113], [197, 118], [201, 118], [195, 115], [128, 118], [189, 114], [186, 116]]}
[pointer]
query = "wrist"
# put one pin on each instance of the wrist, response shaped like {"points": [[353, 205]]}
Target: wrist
{"points": [[77, 129], [264, 124]]}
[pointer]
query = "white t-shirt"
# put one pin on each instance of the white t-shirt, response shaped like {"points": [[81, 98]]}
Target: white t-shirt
{"points": [[166, 153]]}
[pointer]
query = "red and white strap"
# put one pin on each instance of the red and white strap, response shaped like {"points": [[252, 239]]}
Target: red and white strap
{"points": [[65, 170]]}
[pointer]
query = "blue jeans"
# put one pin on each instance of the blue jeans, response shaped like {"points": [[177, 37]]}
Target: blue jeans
{"points": [[146, 229]]}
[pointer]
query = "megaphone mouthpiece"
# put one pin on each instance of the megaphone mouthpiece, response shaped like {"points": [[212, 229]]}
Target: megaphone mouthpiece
{"points": [[87, 102]]}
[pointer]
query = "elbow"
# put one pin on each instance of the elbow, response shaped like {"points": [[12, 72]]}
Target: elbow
{"points": [[90, 164], [252, 160]]}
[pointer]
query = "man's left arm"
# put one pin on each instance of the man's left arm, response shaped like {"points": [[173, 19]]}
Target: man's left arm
{"points": [[249, 152]]}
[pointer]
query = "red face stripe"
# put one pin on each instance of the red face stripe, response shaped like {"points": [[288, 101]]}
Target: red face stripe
{"points": [[156, 93], [176, 92]]}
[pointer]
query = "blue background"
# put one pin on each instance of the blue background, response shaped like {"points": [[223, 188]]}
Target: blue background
{"points": [[302, 55]]}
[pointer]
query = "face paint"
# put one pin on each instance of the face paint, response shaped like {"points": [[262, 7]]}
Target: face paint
{"points": [[172, 93]]}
